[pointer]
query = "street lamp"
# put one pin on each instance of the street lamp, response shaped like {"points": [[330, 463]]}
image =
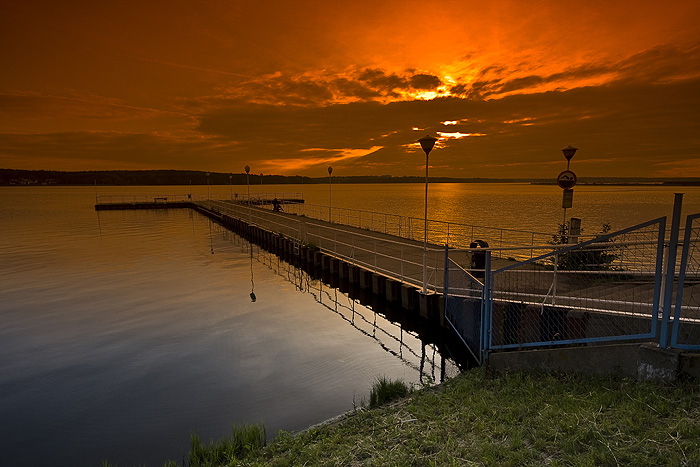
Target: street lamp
{"points": [[427, 142], [247, 179], [230, 185], [261, 187], [207, 186], [330, 192]]}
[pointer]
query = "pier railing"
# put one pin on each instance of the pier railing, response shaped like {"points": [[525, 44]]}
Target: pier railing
{"points": [[255, 199], [454, 234], [395, 258]]}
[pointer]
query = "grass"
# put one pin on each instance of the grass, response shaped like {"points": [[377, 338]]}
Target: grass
{"points": [[508, 419], [384, 390], [244, 441]]}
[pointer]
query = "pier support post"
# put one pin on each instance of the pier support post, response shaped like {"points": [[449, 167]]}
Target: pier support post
{"points": [[393, 291], [365, 279], [378, 285], [409, 297]]}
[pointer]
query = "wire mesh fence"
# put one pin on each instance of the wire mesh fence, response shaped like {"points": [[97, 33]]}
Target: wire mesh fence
{"points": [[604, 289], [686, 319]]}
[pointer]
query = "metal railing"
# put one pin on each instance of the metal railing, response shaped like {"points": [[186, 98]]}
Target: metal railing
{"points": [[439, 232], [135, 199], [255, 198], [395, 258], [453, 234]]}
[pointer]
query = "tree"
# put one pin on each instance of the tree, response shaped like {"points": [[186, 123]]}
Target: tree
{"points": [[598, 256]]}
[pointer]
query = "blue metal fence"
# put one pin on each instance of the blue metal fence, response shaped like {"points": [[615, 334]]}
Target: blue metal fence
{"points": [[602, 290], [605, 289]]}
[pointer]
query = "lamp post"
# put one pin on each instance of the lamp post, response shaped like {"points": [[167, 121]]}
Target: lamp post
{"points": [[427, 142], [207, 186], [247, 179], [330, 191], [230, 185]]}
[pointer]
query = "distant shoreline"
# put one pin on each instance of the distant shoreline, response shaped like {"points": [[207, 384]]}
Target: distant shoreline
{"points": [[15, 177]]}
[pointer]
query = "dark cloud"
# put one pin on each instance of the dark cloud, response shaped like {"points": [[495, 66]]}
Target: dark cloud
{"points": [[424, 81], [367, 84]]}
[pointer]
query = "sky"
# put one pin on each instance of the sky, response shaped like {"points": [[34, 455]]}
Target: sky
{"points": [[292, 87]]}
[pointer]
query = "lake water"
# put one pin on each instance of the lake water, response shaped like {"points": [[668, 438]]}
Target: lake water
{"points": [[120, 331]]}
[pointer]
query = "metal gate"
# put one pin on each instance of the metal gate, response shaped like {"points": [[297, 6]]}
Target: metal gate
{"points": [[466, 306], [686, 317], [605, 289]]}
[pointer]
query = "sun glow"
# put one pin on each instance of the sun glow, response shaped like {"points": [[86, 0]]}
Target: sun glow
{"points": [[325, 156], [457, 135]]}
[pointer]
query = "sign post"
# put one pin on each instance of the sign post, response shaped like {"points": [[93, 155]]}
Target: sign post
{"points": [[566, 181]]}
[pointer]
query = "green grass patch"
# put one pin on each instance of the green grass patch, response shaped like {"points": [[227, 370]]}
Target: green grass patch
{"points": [[480, 418], [244, 441], [510, 419], [385, 390]]}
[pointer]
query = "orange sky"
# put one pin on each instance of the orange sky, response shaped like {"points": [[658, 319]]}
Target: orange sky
{"points": [[291, 87]]}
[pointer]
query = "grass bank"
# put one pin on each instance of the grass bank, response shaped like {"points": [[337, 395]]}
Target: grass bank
{"points": [[509, 419]]}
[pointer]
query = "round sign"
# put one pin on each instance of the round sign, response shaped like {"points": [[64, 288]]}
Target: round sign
{"points": [[566, 179]]}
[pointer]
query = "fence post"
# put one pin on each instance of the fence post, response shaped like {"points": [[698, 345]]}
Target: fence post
{"points": [[402, 263], [446, 275], [670, 268], [486, 309], [375, 255], [681, 279], [554, 280]]}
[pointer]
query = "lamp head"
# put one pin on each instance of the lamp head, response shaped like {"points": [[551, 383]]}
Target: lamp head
{"points": [[330, 170], [247, 169], [427, 142], [569, 152]]}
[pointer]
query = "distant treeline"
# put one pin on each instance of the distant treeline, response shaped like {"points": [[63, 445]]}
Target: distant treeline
{"points": [[185, 177]]}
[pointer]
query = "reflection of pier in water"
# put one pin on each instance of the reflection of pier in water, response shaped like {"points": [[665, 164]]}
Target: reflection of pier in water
{"points": [[410, 340]]}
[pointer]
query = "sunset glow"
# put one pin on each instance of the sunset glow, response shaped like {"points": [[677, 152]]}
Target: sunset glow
{"points": [[289, 87]]}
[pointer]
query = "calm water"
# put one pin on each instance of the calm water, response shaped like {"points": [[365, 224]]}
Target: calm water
{"points": [[120, 331]]}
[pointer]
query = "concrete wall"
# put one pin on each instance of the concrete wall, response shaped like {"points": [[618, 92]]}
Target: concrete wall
{"points": [[644, 362]]}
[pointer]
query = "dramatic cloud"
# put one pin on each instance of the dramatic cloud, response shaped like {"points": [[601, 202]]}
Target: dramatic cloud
{"points": [[290, 88]]}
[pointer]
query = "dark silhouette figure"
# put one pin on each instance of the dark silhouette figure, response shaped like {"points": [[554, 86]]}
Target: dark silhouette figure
{"points": [[276, 205]]}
